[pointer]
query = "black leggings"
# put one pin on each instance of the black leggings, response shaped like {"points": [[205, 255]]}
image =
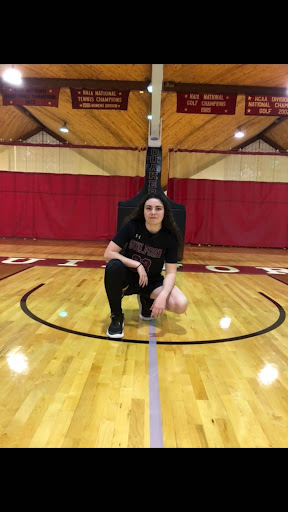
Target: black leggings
{"points": [[115, 280], [117, 277]]}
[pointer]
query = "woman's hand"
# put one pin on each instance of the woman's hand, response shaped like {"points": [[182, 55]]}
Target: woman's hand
{"points": [[143, 278], [159, 306]]}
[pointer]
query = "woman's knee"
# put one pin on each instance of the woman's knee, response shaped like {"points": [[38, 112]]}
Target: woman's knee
{"points": [[178, 305], [114, 265]]}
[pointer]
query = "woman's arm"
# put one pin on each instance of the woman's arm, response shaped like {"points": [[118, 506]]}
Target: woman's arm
{"points": [[159, 304], [170, 278], [113, 252]]}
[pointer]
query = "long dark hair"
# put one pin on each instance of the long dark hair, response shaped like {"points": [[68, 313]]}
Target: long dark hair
{"points": [[168, 221]]}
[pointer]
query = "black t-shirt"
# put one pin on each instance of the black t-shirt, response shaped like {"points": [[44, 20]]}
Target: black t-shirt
{"points": [[150, 249]]}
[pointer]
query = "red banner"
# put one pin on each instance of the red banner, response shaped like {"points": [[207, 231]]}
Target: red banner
{"points": [[198, 103], [99, 99], [266, 105], [34, 96]]}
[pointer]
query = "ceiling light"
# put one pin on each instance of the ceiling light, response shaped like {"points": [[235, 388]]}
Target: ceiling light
{"points": [[149, 117], [12, 76], [239, 134], [149, 88], [64, 128]]}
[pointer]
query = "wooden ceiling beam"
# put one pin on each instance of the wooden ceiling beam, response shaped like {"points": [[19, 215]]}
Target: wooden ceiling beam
{"points": [[26, 112], [32, 133], [142, 86], [224, 89], [76, 83], [257, 137], [272, 143], [262, 135]]}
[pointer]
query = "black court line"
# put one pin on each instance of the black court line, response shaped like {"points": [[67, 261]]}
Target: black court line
{"points": [[14, 273], [275, 325], [279, 280]]}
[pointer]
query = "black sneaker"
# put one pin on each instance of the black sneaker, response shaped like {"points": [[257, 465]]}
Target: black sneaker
{"points": [[144, 307], [115, 329]]}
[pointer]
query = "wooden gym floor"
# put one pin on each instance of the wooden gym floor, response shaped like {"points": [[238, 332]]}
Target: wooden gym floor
{"points": [[216, 376]]}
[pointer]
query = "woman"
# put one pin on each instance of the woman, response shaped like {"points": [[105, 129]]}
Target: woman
{"points": [[136, 256]]}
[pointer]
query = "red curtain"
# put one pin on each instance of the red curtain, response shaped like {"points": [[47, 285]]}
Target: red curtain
{"points": [[61, 206], [233, 213]]}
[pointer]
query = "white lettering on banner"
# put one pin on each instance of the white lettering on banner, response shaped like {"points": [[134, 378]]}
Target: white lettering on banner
{"points": [[85, 98], [70, 263], [213, 97], [281, 98], [102, 99], [29, 260], [258, 104], [104, 93], [272, 270], [213, 103], [215, 268]]}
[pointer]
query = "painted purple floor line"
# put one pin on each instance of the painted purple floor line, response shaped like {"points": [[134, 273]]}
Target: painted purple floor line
{"points": [[156, 434]]}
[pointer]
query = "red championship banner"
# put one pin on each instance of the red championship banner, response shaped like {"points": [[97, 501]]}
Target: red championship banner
{"points": [[198, 103], [34, 96], [266, 105], [99, 99]]}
